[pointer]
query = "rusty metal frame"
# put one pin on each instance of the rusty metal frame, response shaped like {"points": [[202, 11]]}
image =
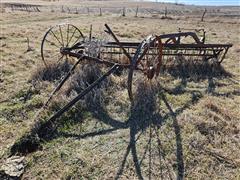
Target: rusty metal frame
{"points": [[166, 45]]}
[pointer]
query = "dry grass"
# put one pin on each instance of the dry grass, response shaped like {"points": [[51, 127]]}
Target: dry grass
{"points": [[193, 107], [53, 72]]}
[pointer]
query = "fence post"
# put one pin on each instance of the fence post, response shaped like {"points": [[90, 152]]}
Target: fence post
{"points": [[124, 11], [38, 10], [88, 10], [28, 46], [52, 10], [205, 11], [100, 11], [165, 13], [90, 33], [136, 15]]}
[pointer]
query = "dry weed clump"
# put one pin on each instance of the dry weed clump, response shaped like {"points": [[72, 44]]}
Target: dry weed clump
{"points": [[45, 130], [52, 72], [85, 75]]}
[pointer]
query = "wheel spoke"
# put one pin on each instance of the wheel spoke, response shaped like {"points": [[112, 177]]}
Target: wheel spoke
{"points": [[60, 29], [51, 43], [77, 39], [56, 37], [60, 59], [56, 55], [67, 34], [71, 37]]}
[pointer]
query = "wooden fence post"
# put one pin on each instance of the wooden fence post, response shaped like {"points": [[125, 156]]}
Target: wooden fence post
{"points": [[26, 8], [205, 11], [52, 10], [165, 13], [136, 12], [38, 10], [88, 10], [28, 46], [124, 11], [69, 11], [100, 11]]}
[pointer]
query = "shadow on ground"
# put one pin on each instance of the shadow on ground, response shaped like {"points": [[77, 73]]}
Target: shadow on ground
{"points": [[146, 119], [143, 118]]}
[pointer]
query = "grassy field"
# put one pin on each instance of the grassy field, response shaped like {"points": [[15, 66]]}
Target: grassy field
{"points": [[179, 125]]}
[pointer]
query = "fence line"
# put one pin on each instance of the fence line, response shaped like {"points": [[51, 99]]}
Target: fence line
{"points": [[122, 11]]}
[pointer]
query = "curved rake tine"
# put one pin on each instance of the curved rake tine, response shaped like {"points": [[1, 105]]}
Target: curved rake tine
{"points": [[226, 50]]}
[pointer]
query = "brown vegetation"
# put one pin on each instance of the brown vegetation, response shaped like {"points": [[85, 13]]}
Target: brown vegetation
{"points": [[184, 123]]}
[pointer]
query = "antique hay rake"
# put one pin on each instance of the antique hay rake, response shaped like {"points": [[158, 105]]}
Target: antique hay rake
{"points": [[66, 41]]}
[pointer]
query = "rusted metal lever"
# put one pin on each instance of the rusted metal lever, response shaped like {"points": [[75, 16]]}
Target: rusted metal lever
{"points": [[64, 79], [109, 31], [83, 93]]}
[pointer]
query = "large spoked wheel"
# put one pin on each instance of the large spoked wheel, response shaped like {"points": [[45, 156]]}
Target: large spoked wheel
{"points": [[148, 59], [56, 38]]}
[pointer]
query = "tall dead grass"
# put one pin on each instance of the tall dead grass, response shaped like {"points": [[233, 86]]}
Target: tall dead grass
{"points": [[52, 72]]}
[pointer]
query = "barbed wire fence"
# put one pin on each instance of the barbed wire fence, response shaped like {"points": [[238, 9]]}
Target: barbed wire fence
{"points": [[163, 12]]}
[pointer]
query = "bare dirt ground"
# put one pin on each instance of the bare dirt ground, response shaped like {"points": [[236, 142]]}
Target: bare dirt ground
{"points": [[199, 133]]}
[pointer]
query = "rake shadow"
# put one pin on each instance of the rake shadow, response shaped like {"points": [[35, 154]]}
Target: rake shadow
{"points": [[138, 123], [145, 117]]}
